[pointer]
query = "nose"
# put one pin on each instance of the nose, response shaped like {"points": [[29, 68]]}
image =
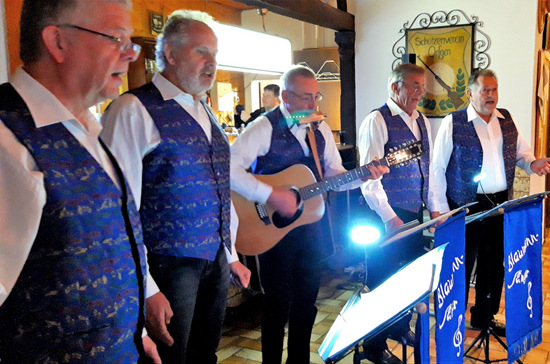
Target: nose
{"points": [[131, 54], [211, 60]]}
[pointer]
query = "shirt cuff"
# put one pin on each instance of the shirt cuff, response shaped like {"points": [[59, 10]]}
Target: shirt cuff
{"points": [[3, 294], [386, 214], [231, 257], [263, 192], [152, 288]]}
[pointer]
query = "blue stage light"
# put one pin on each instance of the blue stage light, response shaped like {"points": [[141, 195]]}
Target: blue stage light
{"points": [[365, 234], [479, 177]]}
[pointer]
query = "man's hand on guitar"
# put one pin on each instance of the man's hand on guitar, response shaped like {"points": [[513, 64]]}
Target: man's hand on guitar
{"points": [[284, 201], [393, 224], [376, 172]]}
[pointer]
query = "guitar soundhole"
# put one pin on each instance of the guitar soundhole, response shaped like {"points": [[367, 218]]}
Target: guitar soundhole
{"points": [[281, 221]]}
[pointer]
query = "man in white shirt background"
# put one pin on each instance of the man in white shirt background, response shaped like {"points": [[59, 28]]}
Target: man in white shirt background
{"points": [[476, 151], [270, 100]]}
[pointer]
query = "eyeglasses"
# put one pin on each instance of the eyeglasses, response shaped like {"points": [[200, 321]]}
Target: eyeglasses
{"points": [[415, 88], [308, 97], [124, 45]]}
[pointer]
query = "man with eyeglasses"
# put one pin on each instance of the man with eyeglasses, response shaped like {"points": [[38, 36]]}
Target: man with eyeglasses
{"points": [[73, 270], [290, 271], [176, 157], [400, 196], [481, 140]]}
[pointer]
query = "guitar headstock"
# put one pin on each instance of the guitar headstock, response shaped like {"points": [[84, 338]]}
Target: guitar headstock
{"points": [[405, 153]]}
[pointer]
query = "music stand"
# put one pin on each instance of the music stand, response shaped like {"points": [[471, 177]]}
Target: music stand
{"points": [[366, 314], [486, 333], [417, 227]]}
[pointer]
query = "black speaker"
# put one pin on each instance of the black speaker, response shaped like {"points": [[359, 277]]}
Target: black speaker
{"points": [[409, 58]]}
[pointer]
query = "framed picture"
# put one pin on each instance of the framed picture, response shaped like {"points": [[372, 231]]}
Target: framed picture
{"points": [[447, 55], [156, 23]]}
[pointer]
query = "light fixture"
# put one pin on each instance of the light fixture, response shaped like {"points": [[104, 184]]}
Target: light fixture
{"points": [[365, 234], [479, 177], [249, 51]]}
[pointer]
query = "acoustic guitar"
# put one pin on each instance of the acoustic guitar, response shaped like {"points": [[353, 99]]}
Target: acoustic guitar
{"points": [[261, 228]]}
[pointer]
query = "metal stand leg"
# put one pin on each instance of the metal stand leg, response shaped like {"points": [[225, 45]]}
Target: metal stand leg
{"points": [[483, 339]]}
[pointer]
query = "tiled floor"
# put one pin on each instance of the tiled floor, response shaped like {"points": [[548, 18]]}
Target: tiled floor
{"points": [[241, 337]]}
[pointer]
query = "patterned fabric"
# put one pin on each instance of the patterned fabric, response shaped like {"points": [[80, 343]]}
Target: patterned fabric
{"points": [[467, 157], [285, 149], [406, 186], [80, 295], [185, 207]]}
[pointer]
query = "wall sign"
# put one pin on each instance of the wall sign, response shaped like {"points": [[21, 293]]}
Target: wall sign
{"points": [[156, 23], [449, 46]]}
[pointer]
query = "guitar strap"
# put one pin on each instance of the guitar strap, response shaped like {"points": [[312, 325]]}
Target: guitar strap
{"points": [[313, 146]]}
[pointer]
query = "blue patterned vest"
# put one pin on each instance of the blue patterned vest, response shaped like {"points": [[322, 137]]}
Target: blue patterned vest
{"points": [[285, 149], [80, 295], [185, 203], [467, 157], [406, 186]]}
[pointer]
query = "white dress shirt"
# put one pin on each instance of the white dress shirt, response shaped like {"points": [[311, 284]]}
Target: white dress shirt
{"points": [[131, 133], [22, 191], [256, 141], [373, 135], [490, 137]]}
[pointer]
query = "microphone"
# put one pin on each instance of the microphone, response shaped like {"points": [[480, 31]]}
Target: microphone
{"points": [[478, 178]]}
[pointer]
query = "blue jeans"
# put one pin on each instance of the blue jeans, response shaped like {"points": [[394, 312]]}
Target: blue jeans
{"points": [[197, 292]]}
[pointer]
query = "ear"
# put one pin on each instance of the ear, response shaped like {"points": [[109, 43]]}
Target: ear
{"points": [[54, 43], [285, 96], [395, 88], [169, 54], [469, 93]]}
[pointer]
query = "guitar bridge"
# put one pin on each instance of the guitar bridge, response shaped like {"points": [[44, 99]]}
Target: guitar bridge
{"points": [[262, 213]]}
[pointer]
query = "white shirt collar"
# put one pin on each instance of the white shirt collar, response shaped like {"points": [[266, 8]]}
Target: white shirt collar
{"points": [[45, 108], [396, 110], [472, 114], [169, 91]]}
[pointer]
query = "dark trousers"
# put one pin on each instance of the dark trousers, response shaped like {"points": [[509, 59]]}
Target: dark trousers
{"points": [[197, 292], [485, 241], [290, 277], [382, 263]]}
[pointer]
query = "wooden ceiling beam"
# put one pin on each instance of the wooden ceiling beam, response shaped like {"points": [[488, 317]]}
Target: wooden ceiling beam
{"points": [[309, 11]]}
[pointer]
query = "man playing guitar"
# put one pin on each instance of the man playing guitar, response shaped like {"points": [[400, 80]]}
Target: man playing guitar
{"points": [[290, 271]]}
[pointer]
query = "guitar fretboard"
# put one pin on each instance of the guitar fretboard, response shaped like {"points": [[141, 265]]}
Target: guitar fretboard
{"points": [[335, 182]]}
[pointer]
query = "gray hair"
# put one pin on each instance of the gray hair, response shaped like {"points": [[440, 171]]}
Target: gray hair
{"points": [[401, 72], [176, 31], [472, 81], [38, 14], [296, 71]]}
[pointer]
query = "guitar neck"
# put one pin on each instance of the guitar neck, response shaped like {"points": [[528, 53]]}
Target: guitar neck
{"points": [[335, 182]]}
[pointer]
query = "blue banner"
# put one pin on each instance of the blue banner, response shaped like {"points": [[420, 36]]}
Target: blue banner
{"points": [[523, 277], [451, 292]]}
